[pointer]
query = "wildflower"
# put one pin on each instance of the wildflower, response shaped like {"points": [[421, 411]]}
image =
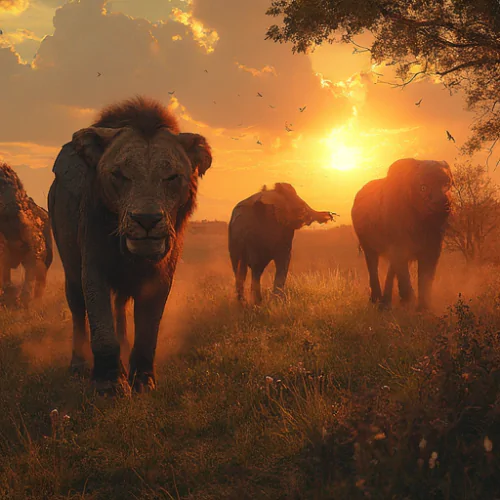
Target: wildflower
{"points": [[66, 419], [422, 444], [488, 445], [54, 415], [360, 483], [432, 460], [379, 436], [269, 379]]}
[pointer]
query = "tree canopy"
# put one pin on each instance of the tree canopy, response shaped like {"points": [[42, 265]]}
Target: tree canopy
{"points": [[456, 41]]}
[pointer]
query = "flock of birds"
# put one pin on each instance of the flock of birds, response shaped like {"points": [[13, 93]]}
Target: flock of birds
{"points": [[287, 125]]}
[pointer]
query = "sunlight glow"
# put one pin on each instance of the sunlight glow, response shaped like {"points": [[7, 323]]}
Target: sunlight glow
{"points": [[342, 150]]}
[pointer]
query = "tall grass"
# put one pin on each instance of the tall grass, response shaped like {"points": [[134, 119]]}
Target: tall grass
{"points": [[314, 396]]}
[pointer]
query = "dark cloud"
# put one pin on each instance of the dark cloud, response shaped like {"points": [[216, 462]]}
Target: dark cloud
{"points": [[136, 56]]}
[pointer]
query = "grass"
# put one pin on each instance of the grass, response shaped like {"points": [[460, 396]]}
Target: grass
{"points": [[318, 396]]}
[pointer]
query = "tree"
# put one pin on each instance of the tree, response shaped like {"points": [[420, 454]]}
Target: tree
{"points": [[476, 212], [456, 41]]}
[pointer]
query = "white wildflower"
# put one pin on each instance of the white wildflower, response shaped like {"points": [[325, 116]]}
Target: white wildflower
{"points": [[488, 445], [432, 460]]}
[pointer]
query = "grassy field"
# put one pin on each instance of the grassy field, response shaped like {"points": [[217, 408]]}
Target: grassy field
{"points": [[318, 396]]}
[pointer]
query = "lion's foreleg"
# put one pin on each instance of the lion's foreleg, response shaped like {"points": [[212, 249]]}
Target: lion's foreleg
{"points": [[108, 370], [121, 322], [148, 311]]}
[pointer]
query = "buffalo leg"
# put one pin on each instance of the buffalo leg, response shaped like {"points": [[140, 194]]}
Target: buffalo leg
{"points": [[256, 290], [76, 303], [41, 279], [372, 259], [9, 290], [406, 292], [389, 286], [282, 264], [148, 312], [426, 272], [241, 275], [28, 289]]}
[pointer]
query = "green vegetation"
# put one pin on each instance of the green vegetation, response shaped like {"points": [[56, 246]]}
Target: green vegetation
{"points": [[317, 397]]}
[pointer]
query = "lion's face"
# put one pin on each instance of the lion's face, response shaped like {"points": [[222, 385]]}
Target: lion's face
{"points": [[431, 188], [146, 182]]}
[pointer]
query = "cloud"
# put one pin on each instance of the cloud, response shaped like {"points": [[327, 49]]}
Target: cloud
{"points": [[18, 36], [14, 7], [257, 72], [206, 38], [213, 55]]}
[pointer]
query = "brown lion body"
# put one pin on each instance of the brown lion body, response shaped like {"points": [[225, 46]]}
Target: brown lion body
{"points": [[123, 191], [25, 237], [403, 217]]}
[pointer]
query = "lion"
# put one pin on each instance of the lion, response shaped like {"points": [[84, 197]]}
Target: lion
{"points": [[403, 217], [261, 230], [123, 191], [25, 239]]}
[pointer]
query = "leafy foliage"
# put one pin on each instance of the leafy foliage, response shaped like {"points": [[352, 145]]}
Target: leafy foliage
{"points": [[476, 212], [454, 41]]}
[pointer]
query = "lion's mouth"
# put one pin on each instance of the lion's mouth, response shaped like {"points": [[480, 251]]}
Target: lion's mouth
{"points": [[149, 247]]}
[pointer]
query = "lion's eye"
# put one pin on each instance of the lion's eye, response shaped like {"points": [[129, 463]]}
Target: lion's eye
{"points": [[117, 174], [423, 188], [172, 178]]}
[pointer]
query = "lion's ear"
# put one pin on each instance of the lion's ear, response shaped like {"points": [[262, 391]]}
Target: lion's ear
{"points": [[90, 143], [198, 151]]}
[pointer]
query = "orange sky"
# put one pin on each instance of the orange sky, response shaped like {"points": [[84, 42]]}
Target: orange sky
{"points": [[350, 131]]}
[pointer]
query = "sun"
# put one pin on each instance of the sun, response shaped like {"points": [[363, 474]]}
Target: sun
{"points": [[341, 151]]}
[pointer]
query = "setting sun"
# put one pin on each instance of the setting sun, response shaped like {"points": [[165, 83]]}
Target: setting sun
{"points": [[341, 151]]}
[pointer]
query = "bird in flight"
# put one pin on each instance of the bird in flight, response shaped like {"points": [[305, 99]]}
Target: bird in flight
{"points": [[1, 32], [206, 71], [287, 128], [235, 138], [98, 74], [271, 106], [302, 109], [259, 94], [215, 102], [450, 137], [259, 143], [171, 93], [418, 103]]}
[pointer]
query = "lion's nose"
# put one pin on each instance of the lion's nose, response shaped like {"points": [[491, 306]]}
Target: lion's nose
{"points": [[147, 221]]}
